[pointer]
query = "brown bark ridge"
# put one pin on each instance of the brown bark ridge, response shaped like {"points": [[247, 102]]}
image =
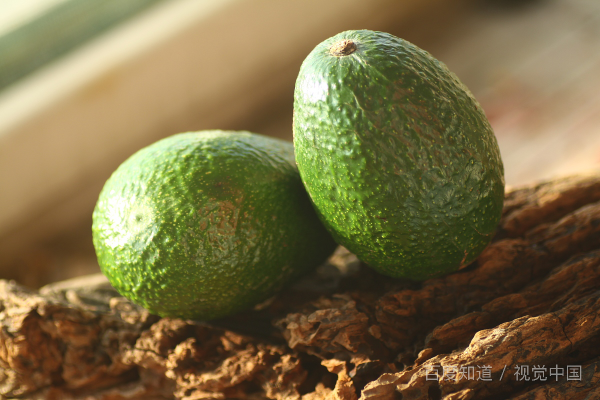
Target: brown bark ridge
{"points": [[521, 322]]}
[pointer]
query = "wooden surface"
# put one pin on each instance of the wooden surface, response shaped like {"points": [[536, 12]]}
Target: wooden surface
{"points": [[531, 299]]}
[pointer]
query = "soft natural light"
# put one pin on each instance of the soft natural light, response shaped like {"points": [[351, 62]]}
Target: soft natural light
{"points": [[15, 13]]}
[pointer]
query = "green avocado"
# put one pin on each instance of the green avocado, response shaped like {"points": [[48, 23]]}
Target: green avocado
{"points": [[396, 154], [205, 224]]}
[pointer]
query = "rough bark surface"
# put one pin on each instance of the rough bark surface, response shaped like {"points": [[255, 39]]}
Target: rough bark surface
{"points": [[521, 322]]}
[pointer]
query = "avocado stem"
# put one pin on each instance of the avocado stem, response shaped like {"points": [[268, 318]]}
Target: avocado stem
{"points": [[342, 48]]}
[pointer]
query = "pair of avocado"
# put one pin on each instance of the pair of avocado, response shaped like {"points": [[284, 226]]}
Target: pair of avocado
{"points": [[393, 158]]}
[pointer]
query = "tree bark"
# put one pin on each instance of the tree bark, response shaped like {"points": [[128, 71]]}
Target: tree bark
{"points": [[521, 322]]}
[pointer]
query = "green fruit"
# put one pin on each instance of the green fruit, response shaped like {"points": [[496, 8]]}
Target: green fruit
{"points": [[396, 154], [202, 225]]}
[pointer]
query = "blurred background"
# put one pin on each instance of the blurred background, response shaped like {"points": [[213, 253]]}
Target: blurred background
{"points": [[86, 83]]}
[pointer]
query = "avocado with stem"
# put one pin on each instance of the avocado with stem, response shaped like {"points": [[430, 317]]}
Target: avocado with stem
{"points": [[397, 155]]}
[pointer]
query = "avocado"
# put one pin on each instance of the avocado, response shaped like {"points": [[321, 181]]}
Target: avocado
{"points": [[396, 154], [201, 225]]}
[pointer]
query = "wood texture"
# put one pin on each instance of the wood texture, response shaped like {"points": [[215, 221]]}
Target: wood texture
{"points": [[530, 303]]}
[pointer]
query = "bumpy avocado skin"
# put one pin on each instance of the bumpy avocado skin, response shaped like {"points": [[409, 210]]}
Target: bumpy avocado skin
{"points": [[397, 156], [202, 225]]}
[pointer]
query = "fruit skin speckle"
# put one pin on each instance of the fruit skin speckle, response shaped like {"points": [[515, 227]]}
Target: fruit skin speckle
{"points": [[201, 225], [397, 156]]}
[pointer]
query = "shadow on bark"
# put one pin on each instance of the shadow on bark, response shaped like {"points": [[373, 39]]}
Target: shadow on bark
{"points": [[521, 322]]}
